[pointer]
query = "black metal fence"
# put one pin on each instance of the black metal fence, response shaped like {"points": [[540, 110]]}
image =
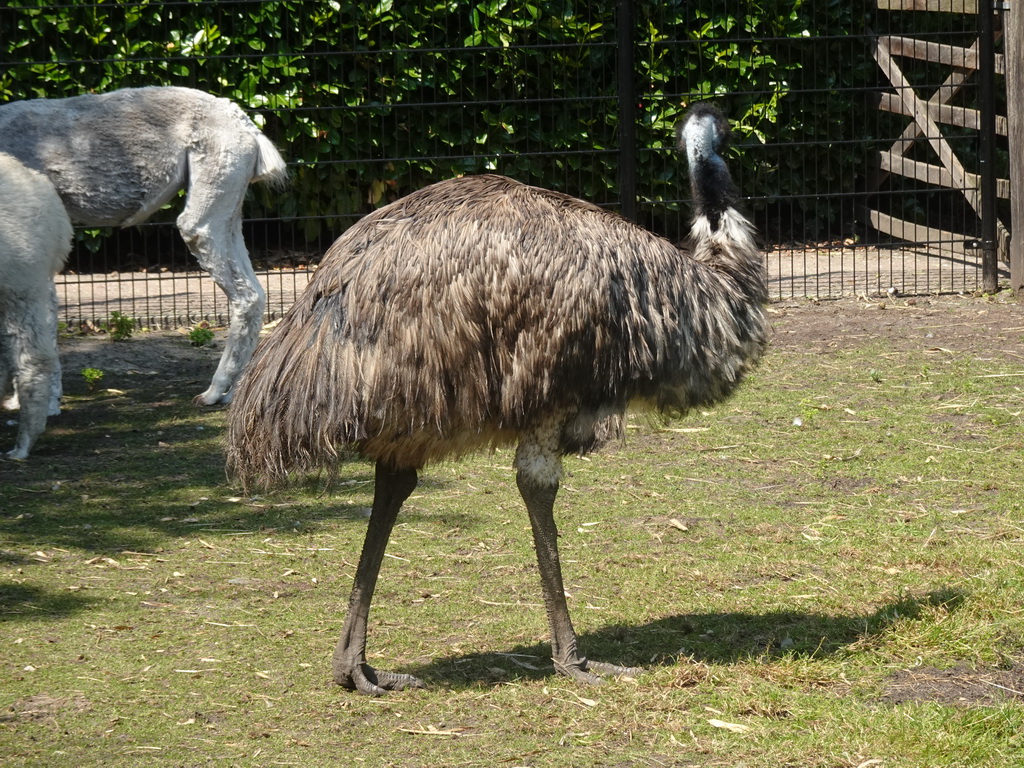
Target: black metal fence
{"points": [[577, 96]]}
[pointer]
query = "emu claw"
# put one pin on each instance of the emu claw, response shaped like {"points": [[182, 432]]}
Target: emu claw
{"points": [[366, 679]]}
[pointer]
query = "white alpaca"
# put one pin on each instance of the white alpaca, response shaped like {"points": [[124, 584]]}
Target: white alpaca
{"points": [[35, 238], [115, 158]]}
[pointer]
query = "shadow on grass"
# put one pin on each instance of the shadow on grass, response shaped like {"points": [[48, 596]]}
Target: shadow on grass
{"points": [[140, 518], [713, 638], [125, 476], [118, 487], [21, 603], [112, 525]]}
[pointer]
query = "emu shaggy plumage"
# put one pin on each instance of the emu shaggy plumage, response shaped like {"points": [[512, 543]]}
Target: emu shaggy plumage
{"points": [[115, 158], [478, 312]]}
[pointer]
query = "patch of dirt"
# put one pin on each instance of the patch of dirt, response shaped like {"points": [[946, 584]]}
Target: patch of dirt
{"points": [[958, 687], [164, 357], [985, 326], [43, 706]]}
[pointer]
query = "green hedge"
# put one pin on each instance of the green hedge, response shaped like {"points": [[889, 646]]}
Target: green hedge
{"points": [[370, 100]]}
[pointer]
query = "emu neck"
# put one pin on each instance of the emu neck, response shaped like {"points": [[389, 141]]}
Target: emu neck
{"points": [[712, 187]]}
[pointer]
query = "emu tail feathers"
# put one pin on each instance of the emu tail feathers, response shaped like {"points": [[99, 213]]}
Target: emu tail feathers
{"points": [[282, 410]]}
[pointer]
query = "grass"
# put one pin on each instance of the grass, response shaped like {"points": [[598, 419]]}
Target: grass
{"points": [[825, 571]]}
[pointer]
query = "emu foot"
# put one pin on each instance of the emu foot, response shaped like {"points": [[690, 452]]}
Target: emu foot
{"points": [[592, 672], [365, 679]]}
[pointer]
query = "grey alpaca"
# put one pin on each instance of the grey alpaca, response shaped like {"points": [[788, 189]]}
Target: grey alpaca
{"points": [[480, 312], [117, 157], [35, 238]]}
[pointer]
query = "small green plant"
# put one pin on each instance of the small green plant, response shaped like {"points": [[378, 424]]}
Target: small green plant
{"points": [[92, 376], [120, 326], [201, 335]]}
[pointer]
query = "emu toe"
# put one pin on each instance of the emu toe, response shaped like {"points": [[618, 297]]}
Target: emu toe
{"points": [[366, 679], [604, 669], [593, 672]]}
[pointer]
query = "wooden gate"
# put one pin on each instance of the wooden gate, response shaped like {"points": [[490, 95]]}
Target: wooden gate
{"points": [[928, 113]]}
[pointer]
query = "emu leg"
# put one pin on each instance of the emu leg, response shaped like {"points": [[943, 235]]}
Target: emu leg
{"points": [[391, 488], [540, 499]]}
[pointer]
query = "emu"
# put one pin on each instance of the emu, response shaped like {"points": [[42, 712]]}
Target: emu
{"points": [[479, 312], [117, 157], [35, 239]]}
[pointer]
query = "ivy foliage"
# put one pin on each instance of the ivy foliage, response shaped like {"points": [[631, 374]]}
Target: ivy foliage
{"points": [[370, 100]]}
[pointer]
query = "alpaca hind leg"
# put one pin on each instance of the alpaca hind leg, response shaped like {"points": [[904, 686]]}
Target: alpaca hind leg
{"points": [[246, 304], [537, 478], [211, 225], [8, 394], [391, 488], [56, 386], [33, 342], [8, 391]]}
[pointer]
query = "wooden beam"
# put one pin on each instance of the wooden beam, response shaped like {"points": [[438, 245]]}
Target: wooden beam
{"points": [[944, 94], [935, 6], [937, 239], [918, 233], [949, 55], [928, 127], [941, 113], [932, 174]]}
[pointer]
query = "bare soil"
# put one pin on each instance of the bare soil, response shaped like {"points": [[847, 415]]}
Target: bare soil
{"points": [[982, 325], [958, 687], [164, 356]]}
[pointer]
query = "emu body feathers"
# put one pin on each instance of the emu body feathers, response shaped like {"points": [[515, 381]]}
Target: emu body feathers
{"points": [[481, 311], [466, 312]]}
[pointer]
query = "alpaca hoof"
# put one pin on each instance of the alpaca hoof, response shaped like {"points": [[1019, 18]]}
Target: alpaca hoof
{"points": [[371, 682], [208, 398]]}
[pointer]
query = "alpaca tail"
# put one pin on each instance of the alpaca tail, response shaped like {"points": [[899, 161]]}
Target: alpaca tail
{"points": [[270, 166]]}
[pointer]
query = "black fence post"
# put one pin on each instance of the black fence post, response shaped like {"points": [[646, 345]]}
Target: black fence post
{"points": [[626, 77], [986, 159]]}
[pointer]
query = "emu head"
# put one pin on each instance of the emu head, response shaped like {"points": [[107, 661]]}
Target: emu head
{"points": [[704, 136], [704, 133]]}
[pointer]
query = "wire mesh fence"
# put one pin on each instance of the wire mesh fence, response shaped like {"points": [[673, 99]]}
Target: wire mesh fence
{"points": [[369, 103]]}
